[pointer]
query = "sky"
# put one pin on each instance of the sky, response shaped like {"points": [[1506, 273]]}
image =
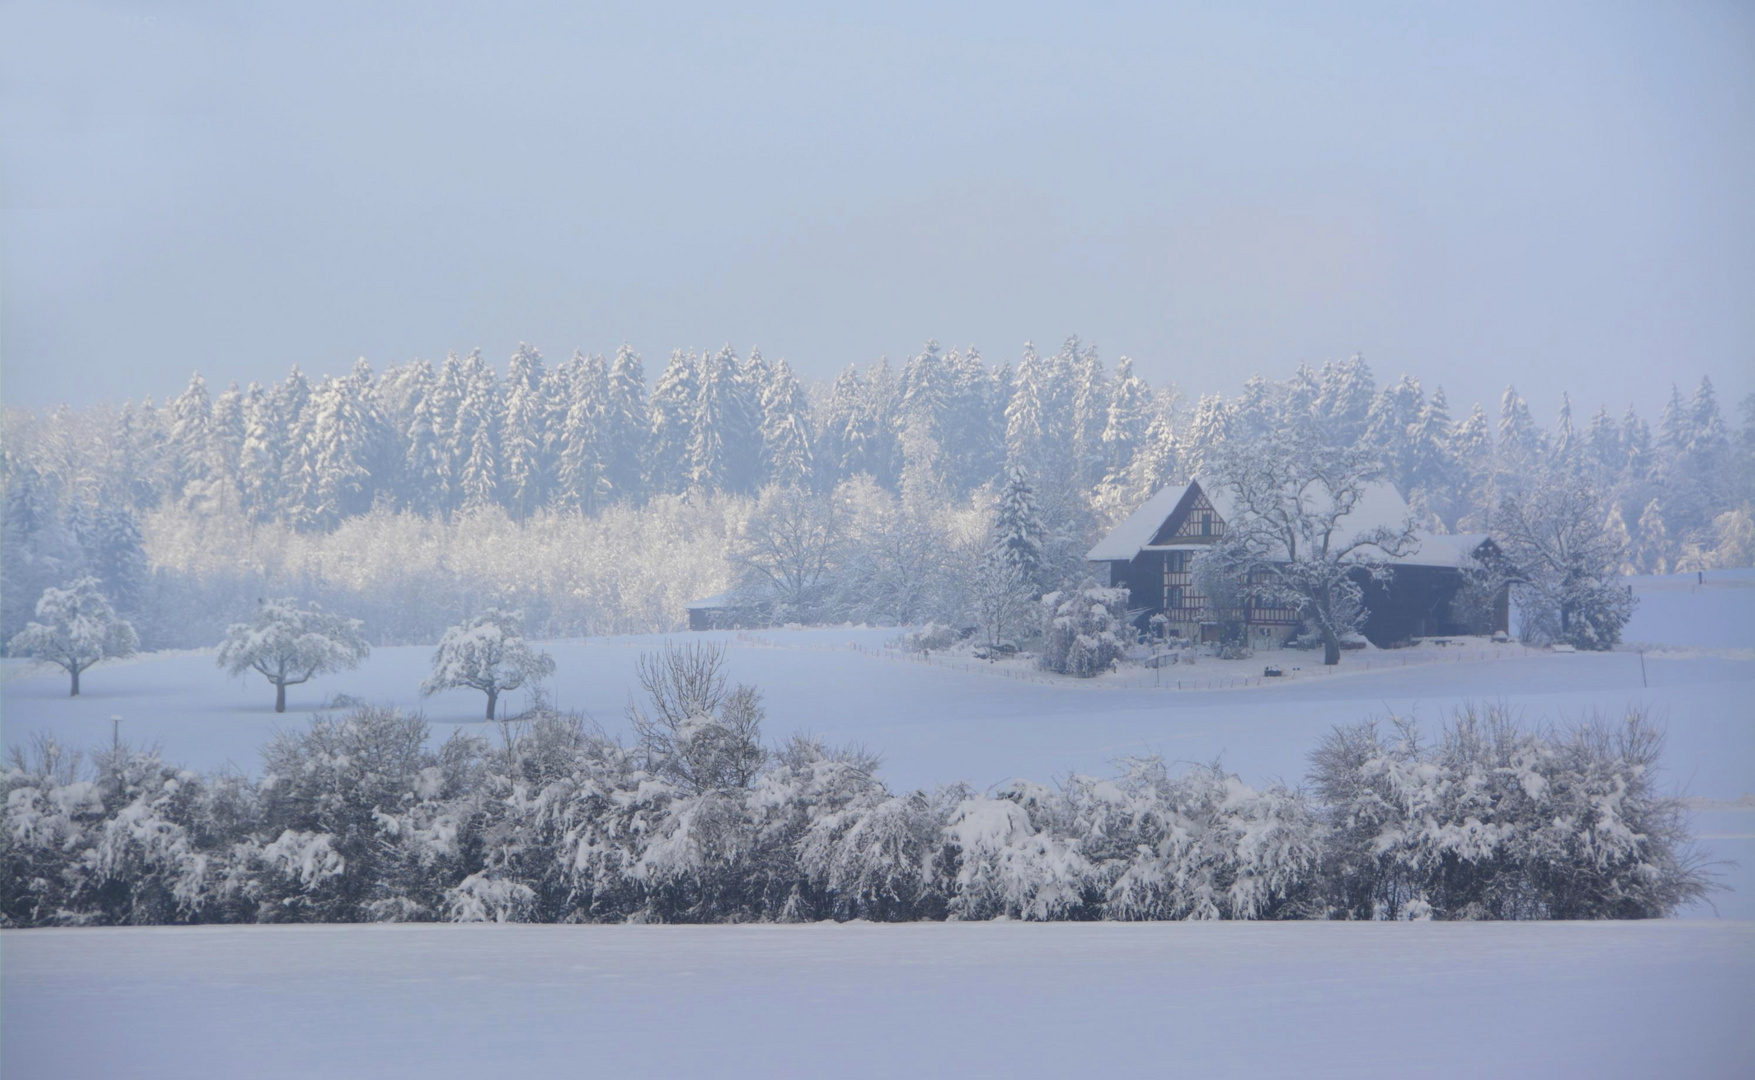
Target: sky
{"points": [[1555, 195]]}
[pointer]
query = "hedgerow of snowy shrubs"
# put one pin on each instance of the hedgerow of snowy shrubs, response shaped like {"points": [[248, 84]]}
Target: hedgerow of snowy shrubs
{"points": [[360, 819]]}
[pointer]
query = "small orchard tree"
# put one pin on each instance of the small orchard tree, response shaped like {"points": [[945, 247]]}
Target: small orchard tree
{"points": [[1289, 538], [488, 653], [290, 644], [75, 628]]}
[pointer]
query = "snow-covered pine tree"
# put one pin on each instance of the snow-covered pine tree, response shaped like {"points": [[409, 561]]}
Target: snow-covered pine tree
{"points": [[581, 476], [1207, 433], [1090, 416], [1343, 402], [1603, 448], [1389, 429], [1026, 422], [1125, 422], [718, 415], [1018, 534], [1521, 445], [786, 429], [627, 425], [744, 441], [1435, 476], [335, 470], [847, 421], [116, 555], [191, 436], [291, 399], [226, 446], [478, 414], [425, 460], [447, 398], [1565, 452], [675, 401], [260, 458], [883, 397], [524, 438]]}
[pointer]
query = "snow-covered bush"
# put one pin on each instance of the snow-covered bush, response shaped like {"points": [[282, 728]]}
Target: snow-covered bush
{"points": [[1498, 822], [357, 819], [1082, 630], [933, 636]]}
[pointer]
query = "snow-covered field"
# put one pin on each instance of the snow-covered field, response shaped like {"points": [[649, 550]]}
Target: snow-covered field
{"points": [[859, 1000], [956, 719], [1311, 999]]}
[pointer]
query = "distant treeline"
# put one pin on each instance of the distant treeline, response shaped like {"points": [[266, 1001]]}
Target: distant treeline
{"points": [[205, 501]]}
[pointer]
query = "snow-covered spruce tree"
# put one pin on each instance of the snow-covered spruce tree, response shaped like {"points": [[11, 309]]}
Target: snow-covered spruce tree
{"points": [[75, 628], [583, 447], [1288, 537], [785, 554], [674, 403], [1082, 630], [523, 437], [1566, 562], [290, 643], [1018, 533], [627, 425], [786, 428], [487, 652]]}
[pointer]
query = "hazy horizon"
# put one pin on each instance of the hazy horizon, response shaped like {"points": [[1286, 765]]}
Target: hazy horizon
{"points": [[1554, 199]]}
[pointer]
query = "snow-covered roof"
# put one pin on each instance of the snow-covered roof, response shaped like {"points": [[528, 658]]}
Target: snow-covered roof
{"points": [[707, 603], [1451, 549], [1380, 506], [1126, 539]]}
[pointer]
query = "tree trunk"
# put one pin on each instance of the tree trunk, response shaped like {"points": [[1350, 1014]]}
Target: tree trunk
{"points": [[279, 697], [493, 696], [75, 692], [1331, 648]]}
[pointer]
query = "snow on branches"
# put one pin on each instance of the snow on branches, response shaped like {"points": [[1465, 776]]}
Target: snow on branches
{"points": [[487, 652], [75, 628], [290, 643]]}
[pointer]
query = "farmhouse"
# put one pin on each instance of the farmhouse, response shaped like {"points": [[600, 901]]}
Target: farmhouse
{"points": [[1152, 555]]}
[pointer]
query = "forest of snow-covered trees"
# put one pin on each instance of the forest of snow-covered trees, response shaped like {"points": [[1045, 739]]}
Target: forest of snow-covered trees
{"points": [[417, 496]]}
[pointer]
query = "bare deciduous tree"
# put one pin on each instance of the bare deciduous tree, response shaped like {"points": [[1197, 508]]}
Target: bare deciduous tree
{"points": [[701, 731]]}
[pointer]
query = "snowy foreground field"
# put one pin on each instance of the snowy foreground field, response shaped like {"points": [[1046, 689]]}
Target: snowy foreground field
{"points": [[980, 999], [1309, 999]]}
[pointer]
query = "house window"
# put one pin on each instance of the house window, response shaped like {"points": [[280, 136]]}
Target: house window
{"points": [[1172, 596], [1206, 524], [1178, 562]]}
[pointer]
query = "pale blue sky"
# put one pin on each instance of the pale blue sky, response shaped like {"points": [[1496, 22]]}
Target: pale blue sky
{"points": [[1556, 195]]}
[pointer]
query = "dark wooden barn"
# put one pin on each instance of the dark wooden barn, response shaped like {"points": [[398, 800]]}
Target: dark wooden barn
{"points": [[1152, 555]]}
